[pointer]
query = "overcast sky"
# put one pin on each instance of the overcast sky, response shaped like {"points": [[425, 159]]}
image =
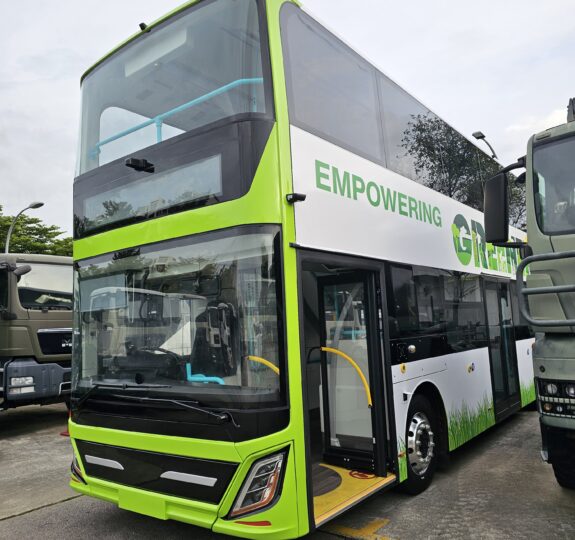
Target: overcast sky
{"points": [[502, 67]]}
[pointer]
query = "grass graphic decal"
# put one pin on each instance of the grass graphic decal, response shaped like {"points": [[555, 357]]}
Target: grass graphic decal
{"points": [[466, 423], [527, 393], [402, 460]]}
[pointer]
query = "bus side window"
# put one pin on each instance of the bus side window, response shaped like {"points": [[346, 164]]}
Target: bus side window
{"points": [[403, 302], [332, 91]]}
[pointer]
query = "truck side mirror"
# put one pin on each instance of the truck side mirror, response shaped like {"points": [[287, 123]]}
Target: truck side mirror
{"points": [[22, 270], [496, 209]]}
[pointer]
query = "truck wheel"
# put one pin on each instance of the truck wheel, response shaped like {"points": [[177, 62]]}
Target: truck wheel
{"points": [[564, 474], [421, 433]]}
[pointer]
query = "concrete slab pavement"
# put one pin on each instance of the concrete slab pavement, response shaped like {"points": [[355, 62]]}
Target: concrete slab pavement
{"points": [[34, 459], [496, 488]]}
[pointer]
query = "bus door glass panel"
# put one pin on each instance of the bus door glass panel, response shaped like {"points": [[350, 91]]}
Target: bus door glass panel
{"points": [[494, 323], [508, 338], [501, 344], [346, 329]]}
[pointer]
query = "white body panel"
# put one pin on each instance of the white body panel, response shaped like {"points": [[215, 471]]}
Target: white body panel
{"points": [[419, 229], [347, 214]]}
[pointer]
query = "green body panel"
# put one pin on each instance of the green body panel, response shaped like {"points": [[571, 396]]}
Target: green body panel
{"points": [[264, 203]]}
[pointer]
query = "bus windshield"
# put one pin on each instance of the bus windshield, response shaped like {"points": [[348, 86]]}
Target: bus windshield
{"points": [[195, 319], [46, 286], [553, 181], [198, 68]]}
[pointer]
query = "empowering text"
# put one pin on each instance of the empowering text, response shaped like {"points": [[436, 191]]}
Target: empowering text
{"points": [[346, 184]]}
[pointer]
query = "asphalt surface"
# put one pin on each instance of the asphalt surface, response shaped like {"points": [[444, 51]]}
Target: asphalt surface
{"points": [[495, 488]]}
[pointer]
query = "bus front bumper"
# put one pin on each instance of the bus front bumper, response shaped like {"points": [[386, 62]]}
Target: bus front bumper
{"points": [[277, 521], [149, 503]]}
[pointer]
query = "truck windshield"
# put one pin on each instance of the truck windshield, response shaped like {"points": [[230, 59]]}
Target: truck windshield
{"points": [[554, 185], [195, 69], [193, 318], [46, 286]]}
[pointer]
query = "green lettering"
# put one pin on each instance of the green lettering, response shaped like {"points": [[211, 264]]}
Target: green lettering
{"points": [[389, 197], [427, 213], [320, 175], [512, 257], [402, 197], [491, 257], [358, 186], [479, 244], [436, 214], [341, 185], [371, 190], [413, 208]]}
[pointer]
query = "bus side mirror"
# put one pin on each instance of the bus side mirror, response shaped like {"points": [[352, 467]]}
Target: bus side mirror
{"points": [[496, 209]]}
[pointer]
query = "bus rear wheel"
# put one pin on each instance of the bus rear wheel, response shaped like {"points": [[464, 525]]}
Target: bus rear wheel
{"points": [[420, 445]]}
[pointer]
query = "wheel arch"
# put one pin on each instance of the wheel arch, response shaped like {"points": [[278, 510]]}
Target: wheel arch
{"points": [[433, 395]]}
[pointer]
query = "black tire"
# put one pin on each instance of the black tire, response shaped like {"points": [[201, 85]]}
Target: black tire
{"points": [[564, 474], [419, 474]]}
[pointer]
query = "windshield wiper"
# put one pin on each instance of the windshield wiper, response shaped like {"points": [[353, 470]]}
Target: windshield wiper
{"points": [[220, 416], [123, 386]]}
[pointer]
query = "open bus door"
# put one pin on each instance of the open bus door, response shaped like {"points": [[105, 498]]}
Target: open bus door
{"points": [[345, 389], [347, 354]]}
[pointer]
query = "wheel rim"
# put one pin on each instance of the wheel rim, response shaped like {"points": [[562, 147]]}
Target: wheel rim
{"points": [[420, 443]]}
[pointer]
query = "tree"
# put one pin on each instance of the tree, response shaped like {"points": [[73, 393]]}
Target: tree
{"points": [[447, 162], [32, 235]]}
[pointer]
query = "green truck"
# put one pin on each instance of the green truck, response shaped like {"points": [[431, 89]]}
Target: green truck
{"points": [[35, 329], [547, 299]]}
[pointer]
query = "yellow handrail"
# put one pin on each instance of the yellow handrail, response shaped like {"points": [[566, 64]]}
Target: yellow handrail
{"points": [[356, 367], [265, 362]]}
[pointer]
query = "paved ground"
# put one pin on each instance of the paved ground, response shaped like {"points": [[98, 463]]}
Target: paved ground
{"points": [[496, 487], [34, 459]]}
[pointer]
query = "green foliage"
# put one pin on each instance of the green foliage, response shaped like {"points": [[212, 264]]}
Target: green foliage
{"points": [[466, 423], [32, 235], [449, 163]]}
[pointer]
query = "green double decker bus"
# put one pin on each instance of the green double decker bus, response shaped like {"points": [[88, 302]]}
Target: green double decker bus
{"points": [[277, 314]]}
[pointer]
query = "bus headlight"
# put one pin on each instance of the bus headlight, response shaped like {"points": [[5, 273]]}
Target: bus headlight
{"points": [[551, 389], [261, 485], [570, 390]]}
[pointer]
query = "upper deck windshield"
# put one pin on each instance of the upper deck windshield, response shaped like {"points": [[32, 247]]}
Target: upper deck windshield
{"points": [[193, 70], [554, 186], [46, 286], [193, 318]]}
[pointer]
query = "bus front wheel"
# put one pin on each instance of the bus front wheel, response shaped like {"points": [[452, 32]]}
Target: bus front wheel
{"points": [[421, 434]]}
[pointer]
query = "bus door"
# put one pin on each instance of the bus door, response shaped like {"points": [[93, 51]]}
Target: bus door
{"points": [[344, 385], [348, 327], [504, 370]]}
